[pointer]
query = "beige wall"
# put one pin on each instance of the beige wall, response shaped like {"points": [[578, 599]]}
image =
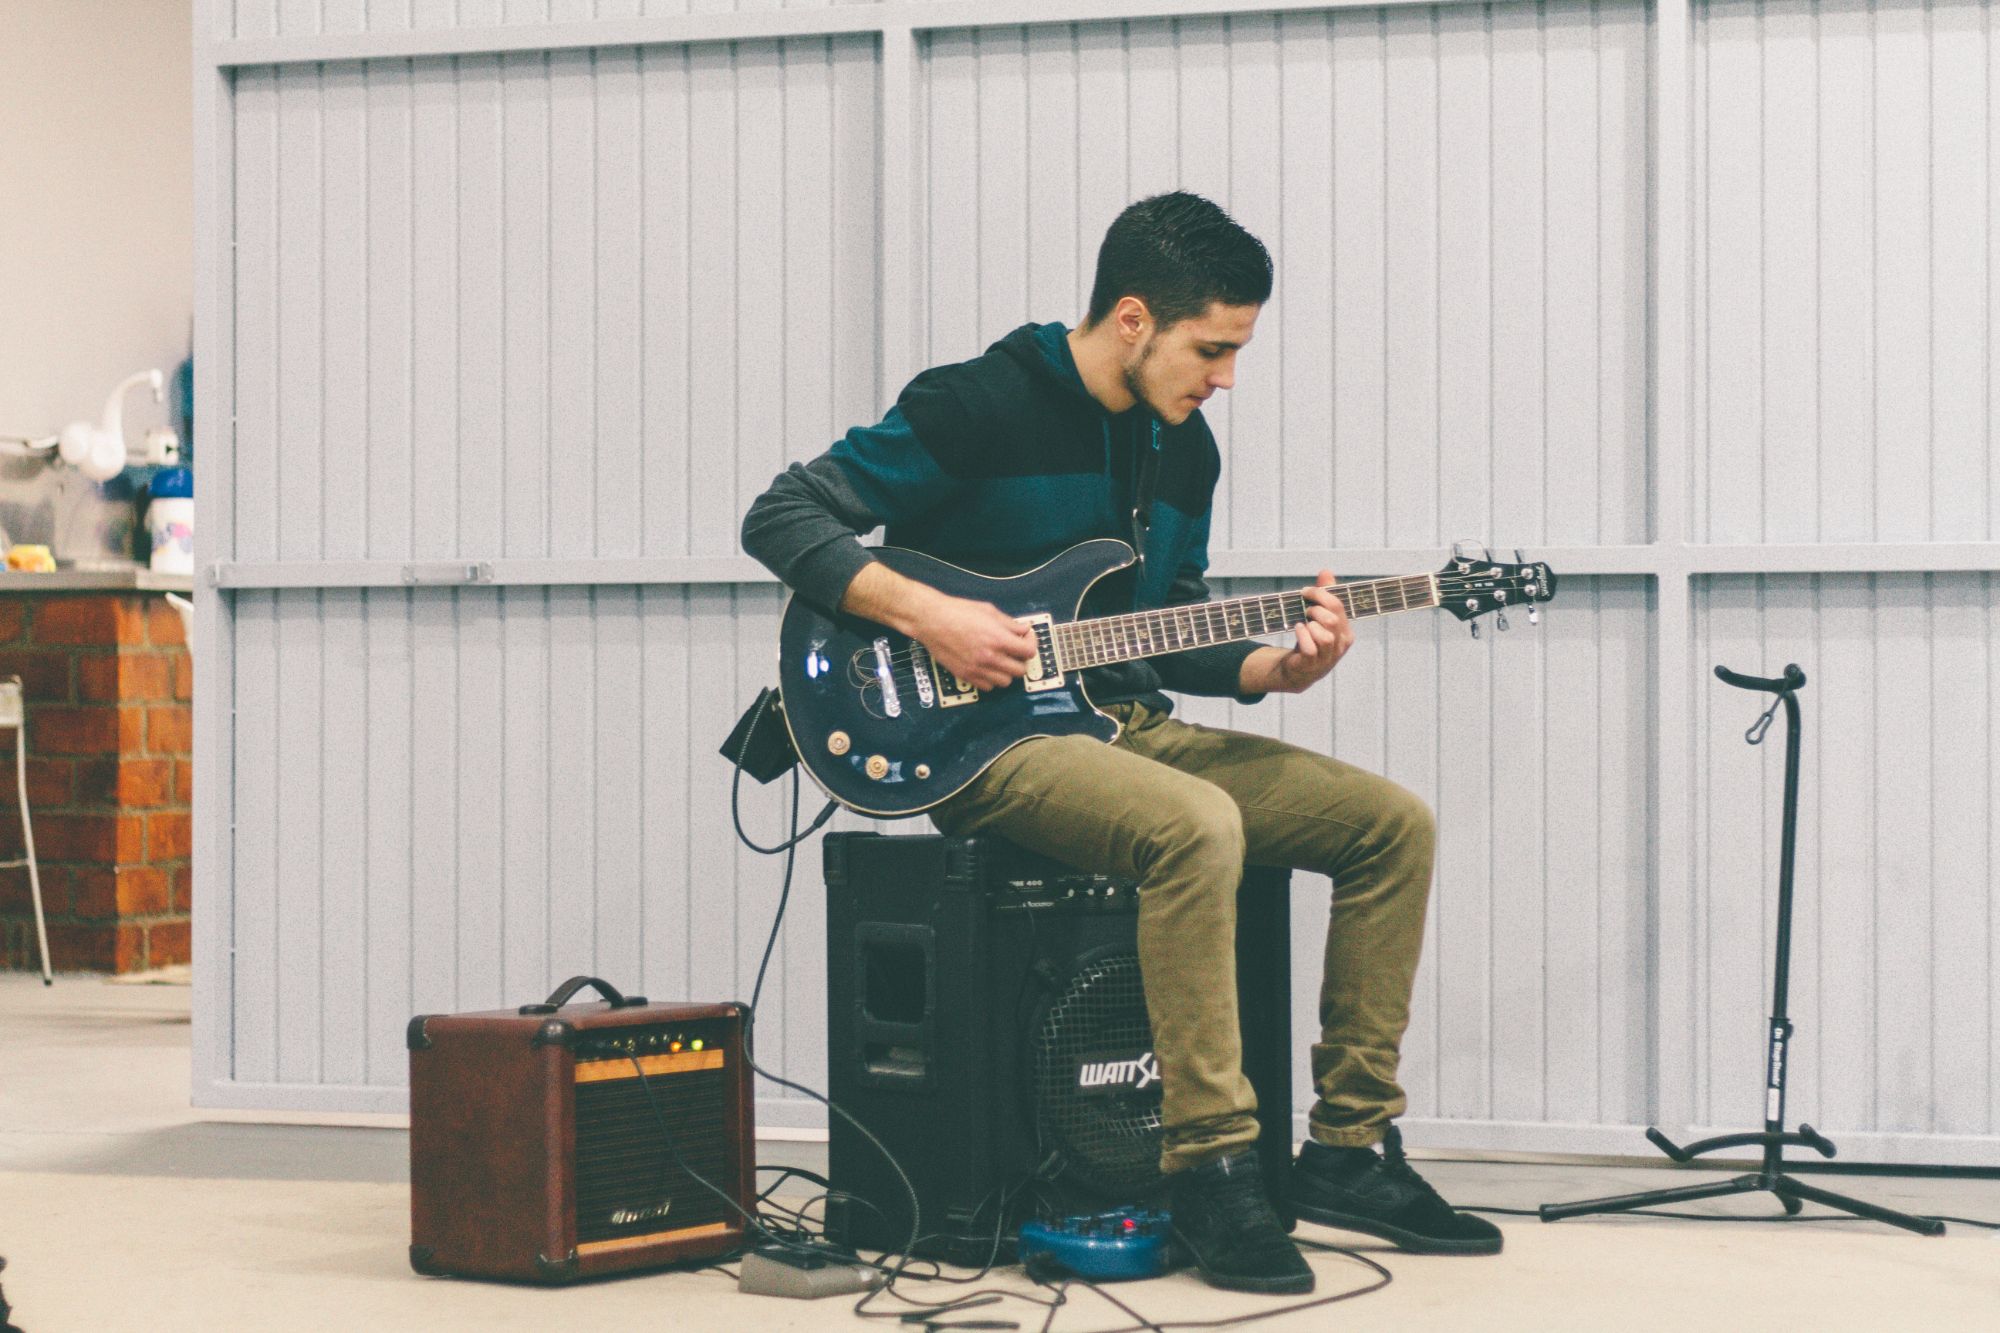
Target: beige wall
{"points": [[96, 205]]}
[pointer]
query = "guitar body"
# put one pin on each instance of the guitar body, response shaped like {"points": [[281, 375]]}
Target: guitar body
{"points": [[888, 732]]}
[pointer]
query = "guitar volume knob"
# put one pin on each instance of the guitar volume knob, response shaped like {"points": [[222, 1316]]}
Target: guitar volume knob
{"points": [[877, 767], [837, 742]]}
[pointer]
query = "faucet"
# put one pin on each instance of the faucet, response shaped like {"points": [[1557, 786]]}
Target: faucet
{"points": [[99, 451]]}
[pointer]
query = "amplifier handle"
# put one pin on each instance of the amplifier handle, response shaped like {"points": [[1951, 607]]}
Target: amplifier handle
{"points": [[564, 993]]}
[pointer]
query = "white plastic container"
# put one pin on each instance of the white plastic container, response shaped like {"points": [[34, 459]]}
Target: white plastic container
{"points": [[170, 523]]}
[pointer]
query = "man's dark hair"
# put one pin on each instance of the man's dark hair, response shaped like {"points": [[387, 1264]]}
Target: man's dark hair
{"points": [[1179, 253]]}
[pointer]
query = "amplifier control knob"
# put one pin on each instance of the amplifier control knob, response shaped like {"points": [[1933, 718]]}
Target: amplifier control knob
{"points": [[878, 767], [837, 743]]}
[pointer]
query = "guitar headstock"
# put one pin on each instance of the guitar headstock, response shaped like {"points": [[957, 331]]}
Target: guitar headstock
{"points": [[1473, 583]]}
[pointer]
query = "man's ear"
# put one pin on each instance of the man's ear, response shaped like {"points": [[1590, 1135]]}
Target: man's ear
{"points": [[1131, 318]]}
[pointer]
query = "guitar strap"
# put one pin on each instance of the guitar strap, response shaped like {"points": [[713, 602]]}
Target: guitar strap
{"points": [[1143, 485]]}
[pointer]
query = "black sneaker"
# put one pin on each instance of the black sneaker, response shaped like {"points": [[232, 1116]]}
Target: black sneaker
{"points": [[1224, 1223], [1355, 1190]]}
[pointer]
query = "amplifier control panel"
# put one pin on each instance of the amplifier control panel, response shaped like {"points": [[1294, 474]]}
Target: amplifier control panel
{"points": [[624, 1043], [1076, 892]]}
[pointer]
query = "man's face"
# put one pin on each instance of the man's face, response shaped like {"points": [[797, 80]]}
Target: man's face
{"points": [[1174, 370]]}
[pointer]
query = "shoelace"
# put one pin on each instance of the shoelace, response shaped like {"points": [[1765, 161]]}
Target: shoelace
{"points": [[1397, 1166]]}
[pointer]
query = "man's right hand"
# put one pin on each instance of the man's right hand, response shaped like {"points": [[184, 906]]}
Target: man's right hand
{"points": [[976, 641]]}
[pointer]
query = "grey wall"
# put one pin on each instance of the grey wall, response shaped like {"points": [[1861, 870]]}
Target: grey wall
{"points": [[96, 267], [95, 248], [521, 312]]}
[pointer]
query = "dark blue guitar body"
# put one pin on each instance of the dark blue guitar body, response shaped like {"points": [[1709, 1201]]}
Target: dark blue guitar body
{"points": [[925, 752]]}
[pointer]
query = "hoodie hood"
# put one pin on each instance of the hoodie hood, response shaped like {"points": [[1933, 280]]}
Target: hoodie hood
{"points": [[1043, 351]]}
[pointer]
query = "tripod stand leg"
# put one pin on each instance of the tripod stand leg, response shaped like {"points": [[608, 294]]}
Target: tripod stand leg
{"points": [[1618, 1203], [1788, 1188]]}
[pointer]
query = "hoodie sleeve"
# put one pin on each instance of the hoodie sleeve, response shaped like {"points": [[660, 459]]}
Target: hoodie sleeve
{"points": [[804, 527], [1215, 670]]}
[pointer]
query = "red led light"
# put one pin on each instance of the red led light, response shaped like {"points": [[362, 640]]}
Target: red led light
{"points": [[1131, 1225]]}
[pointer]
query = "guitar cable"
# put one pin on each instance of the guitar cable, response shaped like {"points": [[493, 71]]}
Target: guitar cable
{"points": [[789, 849], [736, 809]]}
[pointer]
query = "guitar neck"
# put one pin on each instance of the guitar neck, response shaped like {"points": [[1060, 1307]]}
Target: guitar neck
{"points": [[1173, 629]]}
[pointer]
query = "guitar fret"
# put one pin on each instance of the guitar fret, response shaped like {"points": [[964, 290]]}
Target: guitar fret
{"points": [[1090, 643]]}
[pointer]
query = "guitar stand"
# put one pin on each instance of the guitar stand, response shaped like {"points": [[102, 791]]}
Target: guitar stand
{"points": [[1770, 1177]]}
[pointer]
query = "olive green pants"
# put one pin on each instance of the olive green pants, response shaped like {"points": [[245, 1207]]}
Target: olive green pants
{"points": [[1180, 808]]}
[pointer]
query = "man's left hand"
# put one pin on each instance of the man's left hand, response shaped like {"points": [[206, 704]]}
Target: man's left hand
{"points": [[1323, 639]]}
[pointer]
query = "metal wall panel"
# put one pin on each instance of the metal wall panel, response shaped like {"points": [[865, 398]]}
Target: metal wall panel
{"points": [[1456, 193], [546, 305], [1896, 922], [1535, 996], [452, 800], [1843, 274], [311, 18]]}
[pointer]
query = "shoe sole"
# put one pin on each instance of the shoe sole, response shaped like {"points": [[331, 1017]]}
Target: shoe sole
{"points": [[1408, 1241]]}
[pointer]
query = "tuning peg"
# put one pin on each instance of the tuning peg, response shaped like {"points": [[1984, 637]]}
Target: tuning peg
{"points": [[1473, 625], [1500, 620]]}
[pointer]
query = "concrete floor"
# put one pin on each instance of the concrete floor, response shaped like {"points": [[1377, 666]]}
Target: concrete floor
{"points": [[121, 1208]]}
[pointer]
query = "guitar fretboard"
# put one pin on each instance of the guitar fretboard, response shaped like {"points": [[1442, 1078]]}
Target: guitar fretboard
{"points": [[1172, 629]]}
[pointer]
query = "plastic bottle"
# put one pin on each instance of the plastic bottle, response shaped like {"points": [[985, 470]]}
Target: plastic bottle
{"points": [[170, 520]]}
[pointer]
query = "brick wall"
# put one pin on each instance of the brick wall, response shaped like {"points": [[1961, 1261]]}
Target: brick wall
{"points": [[108, 682]]}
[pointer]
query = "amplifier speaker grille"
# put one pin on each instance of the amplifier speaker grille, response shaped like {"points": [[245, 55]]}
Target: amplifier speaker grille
{"points": [[628, 1182]]}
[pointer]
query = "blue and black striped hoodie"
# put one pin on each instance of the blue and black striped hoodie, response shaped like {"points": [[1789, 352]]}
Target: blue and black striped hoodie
{"points": [[997, 465]]}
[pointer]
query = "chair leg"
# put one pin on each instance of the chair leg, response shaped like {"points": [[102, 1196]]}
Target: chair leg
{"points": [[28, 840]]}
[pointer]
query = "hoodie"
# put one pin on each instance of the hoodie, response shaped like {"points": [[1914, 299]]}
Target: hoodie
{"points": [[998, 465]]}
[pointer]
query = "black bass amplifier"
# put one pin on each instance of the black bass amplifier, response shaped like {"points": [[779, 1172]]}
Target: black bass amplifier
{"points": [[986, 1021], [555, 1142]]}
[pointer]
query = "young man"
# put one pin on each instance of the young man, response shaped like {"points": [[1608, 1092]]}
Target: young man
{"points": [[1058, 436]]}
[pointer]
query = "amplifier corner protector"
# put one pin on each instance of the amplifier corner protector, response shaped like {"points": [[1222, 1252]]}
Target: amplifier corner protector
{"points": [[424, 1260], [555, 1032], [417, 1039], [557, 1270]]}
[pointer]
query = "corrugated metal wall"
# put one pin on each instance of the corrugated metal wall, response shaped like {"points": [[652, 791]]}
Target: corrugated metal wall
{"points": [[536, 296]]}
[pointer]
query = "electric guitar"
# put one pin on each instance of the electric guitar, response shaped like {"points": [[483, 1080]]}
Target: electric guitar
{"points": [[888, 730]]}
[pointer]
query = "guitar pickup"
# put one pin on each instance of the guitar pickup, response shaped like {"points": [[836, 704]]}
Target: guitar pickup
{"points": [[951, 691], [1044, 672]]}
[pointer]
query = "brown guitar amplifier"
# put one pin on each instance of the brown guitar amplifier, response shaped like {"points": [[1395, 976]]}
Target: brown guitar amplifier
{"points": [[550, 1143]]}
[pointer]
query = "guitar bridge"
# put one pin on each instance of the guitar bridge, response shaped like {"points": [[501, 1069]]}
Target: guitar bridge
{"points": [[885, 676]]}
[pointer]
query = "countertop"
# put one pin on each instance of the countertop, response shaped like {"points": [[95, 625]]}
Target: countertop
{"points": [[136, 578]]}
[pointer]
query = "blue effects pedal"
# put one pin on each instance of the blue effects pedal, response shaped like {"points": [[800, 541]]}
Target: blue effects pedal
{"points": [[1121, 1244]]}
